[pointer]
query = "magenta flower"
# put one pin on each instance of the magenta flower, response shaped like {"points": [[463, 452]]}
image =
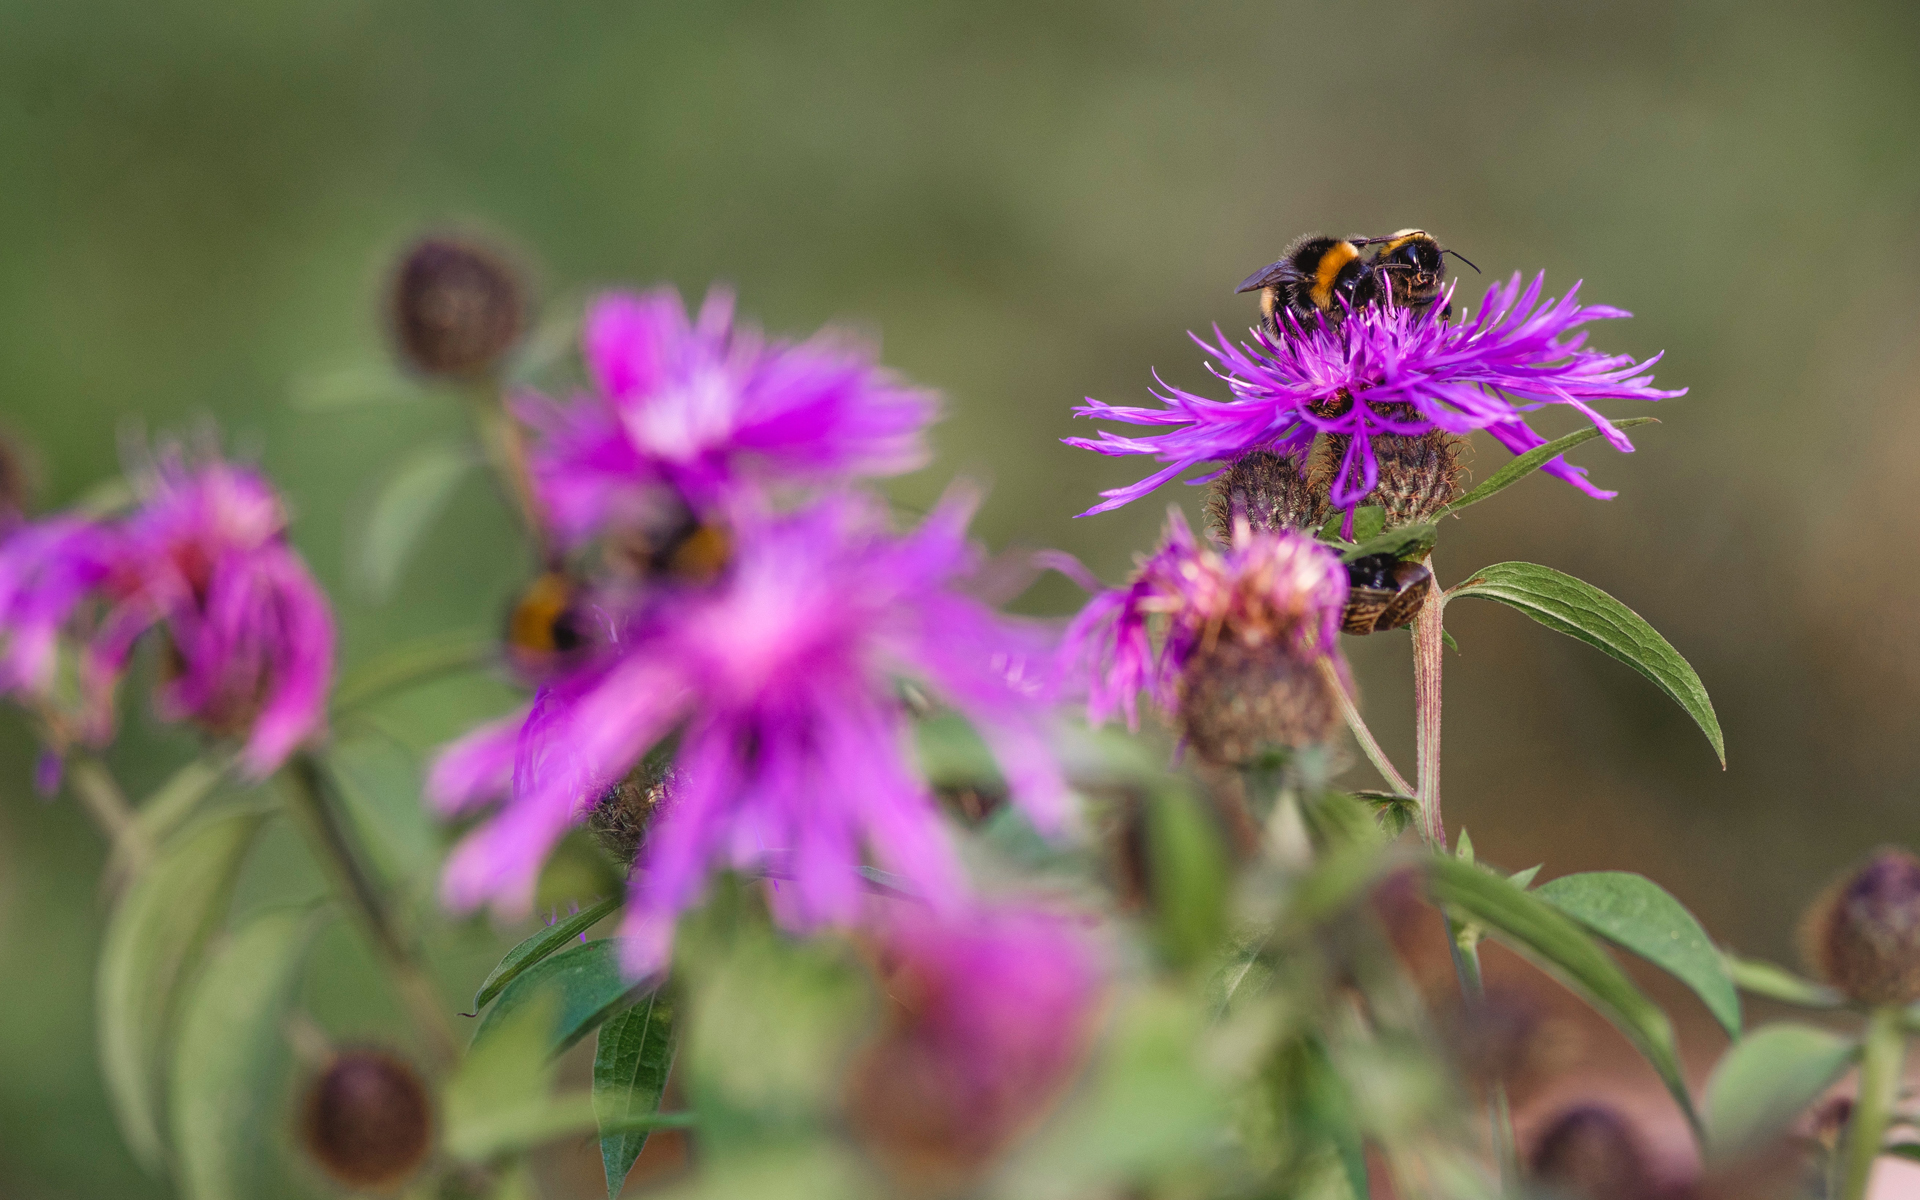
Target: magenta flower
{"points": [[698, 406], [780, 678], [1386, 370], [1279, 588], [48, 570], [990, 1014]]}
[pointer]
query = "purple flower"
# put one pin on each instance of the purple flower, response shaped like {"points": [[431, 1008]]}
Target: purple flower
{"points": [[988, 1017], [698, 406], [48, 570], [1279, 588], [780, 678], [1387, 370]]}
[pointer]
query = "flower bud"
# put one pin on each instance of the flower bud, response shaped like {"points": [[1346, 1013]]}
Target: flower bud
{"points": [[619, 819], [1238, 698], [1589, 1153], [1418, 475], [1863, 935], [456, 307], [367, 1120], [1271, 490]]}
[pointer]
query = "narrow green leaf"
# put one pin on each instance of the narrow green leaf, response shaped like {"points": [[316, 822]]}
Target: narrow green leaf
{"points": [[153, 941], [1778, 983], [1447, 638], [165, 810], [1394, 812], [1909, 1151], [1561, 948], [231, 1054], [502, 1084], [630, 1066], [1404, 541], [1524, 879], [1580, 610], [587, 985], [1533, 460], [412, 497], [1637, 914], [540, 945], [1768, 1078], [1368, 521], [411, 664]]}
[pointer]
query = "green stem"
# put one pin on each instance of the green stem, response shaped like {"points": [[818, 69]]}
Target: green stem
{"points": [[1361, 734], [104, 802], [506, 447], [1427, 648], [309, 797], [1881, 1057]]}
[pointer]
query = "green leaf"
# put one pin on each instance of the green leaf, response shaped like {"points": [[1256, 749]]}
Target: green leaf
{"points": [[1639, 915], [1524, 879], [1580, 610], [1533, 460], [416, 662], [166, 810], [1396, 813], [1909, 1151], [500, 1090], [1561, 948], [412, 497], [1188, 876], [231, 1053], [1367, 522], [587, 985], [1778, 983], [1768, 1078], [539, 946], [153, 941], [630, 1066], [1405, 541]]}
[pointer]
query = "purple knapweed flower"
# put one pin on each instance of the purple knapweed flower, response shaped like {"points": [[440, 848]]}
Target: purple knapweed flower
{"points": [[48, 570], [698, 406], [780, 677], [1386, 370], [989, 1014]]}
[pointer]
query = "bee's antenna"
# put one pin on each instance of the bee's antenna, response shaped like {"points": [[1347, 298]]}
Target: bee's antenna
{"points": [[1463, 258]]}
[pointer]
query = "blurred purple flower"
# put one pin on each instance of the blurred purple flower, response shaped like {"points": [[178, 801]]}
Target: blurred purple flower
{"points": [[697, 406], [990, 1013], [1280, 586], [1386, 370], [48, 570], [780, 678]]}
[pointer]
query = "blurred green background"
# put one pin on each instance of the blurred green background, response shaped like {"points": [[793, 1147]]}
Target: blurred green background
{"points": [[1033, 203]]}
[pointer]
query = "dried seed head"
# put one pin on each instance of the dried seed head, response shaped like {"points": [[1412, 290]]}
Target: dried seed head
{"points": [[1237, 698], [619, 820], [456, 307], [1589, 1153], [1271, 490], [367, 1120], [1863, 935]]}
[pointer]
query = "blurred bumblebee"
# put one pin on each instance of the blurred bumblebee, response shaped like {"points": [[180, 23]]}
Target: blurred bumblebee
{"points": [[1325, 278], [546, 623]]}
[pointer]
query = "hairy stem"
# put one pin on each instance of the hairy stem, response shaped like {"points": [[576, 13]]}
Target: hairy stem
{"points": [[1427, 647], [1361, 734], [506, 446], [310, 802], [1881, 1057]]}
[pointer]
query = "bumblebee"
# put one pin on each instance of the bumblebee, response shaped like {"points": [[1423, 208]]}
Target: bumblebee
{"points": [[1407, 270], [546, 623], [1317, 277]]}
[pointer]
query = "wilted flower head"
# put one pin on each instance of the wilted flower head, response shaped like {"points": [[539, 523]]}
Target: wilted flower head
{"points": [[1386, 371], [780, 678], [367, 1119], [697, 406], [987, 1018], [1244, 626], [1863, 934], [249, 635]]}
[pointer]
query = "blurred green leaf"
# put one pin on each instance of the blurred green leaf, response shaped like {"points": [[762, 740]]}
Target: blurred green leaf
{"points": [[587, 986], [1768, 1078], [501, 1087], [1395, 813], [153, 941], [630, 1066], [1405, 541], [1580, 610], [1524, 879], [1187, 877], [539, 946], [350, 387], [1638, 914], [165, 810], [1778, 983], [1561, 948], [1526, 464], [231, 1052], [409, 501], [416, 662], [1368, 521], [952, 753], [1908, 1151]]}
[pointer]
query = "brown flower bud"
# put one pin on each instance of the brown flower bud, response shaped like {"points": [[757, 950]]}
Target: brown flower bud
{"points": [[1271, 490], [1419, 475], [1237, 698], [456, 307], [367, 1120], [1589, 1153], [1862, 935], [619, 819]]}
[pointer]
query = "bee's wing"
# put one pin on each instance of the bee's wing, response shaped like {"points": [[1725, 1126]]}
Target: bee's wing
{"points": [[1266, 276]]}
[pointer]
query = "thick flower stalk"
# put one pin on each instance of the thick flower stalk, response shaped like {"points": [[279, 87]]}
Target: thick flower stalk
{"points": [[1386, 371], [1243, 628], [780, 677], [249, 636], [698, 407], [987, 1018]]}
